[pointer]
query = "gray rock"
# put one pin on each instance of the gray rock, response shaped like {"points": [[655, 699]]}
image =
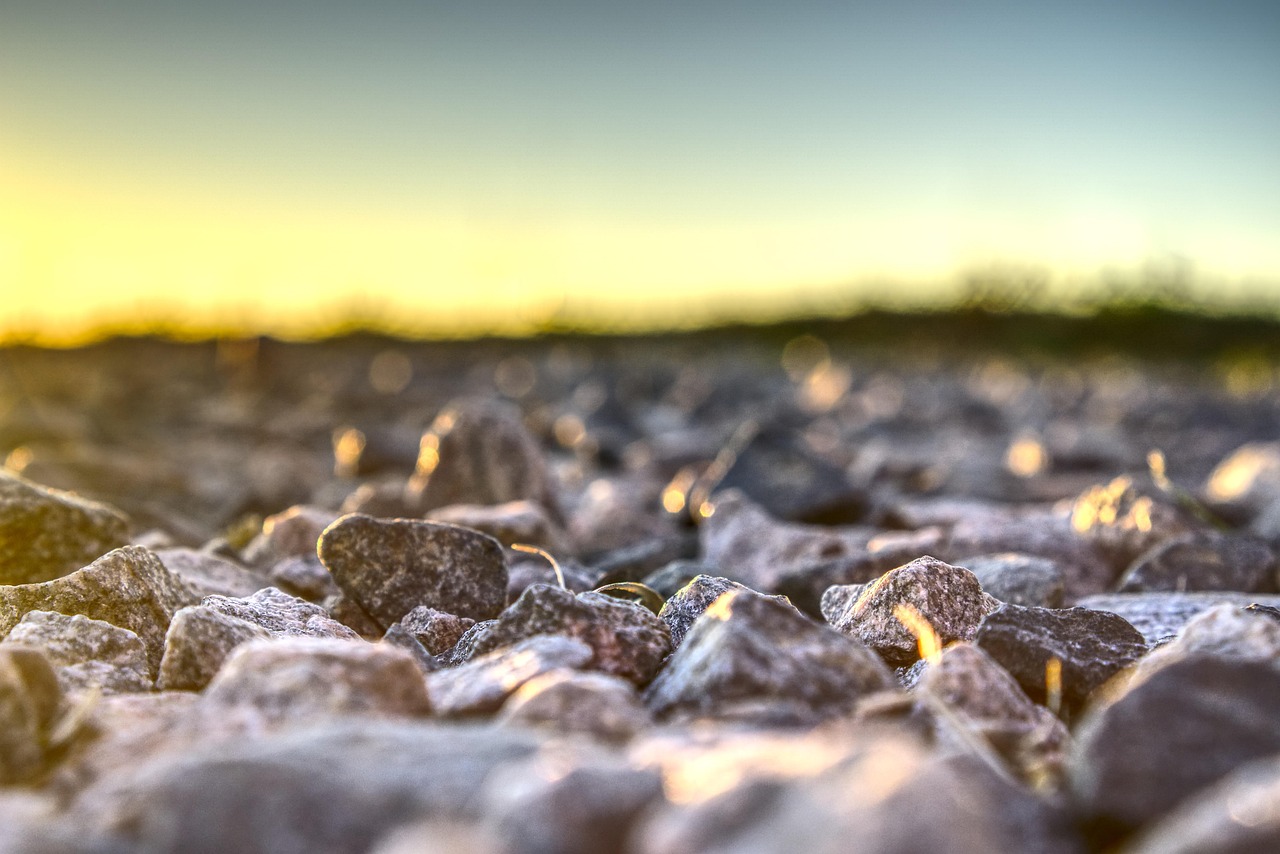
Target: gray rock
{"points": [[128, 587], [1237, 815], [1091, 646], [349, 613], [525, 573], [1203, 561], [524, 522], [627, 640], [948, 597], [668, 580], [1162, 615], [1018, 579], [839, 598], [303, 576], [750, 652], [47, 533], [479, 452], [209, 575], [688, 604], [291, 533], [806, 586], [85, 653], [484, 683], [199, 640], [397, 636], [390, 566], [437, 631], [1224, 630], [286, 679], [596, 704], [280, 614], [1123, 519], [29, 701], [1184, 728]]}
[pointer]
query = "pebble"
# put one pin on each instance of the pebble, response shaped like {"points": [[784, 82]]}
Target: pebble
{"points": [[85, 653], [683, 608], [46, 533], [303, 576], [1203, 561], [199, 640], [482, 685], [1018, 579], [437, 631], [573, 702], [526, 522], [209, 575], [1160, 616], [390, 566]]}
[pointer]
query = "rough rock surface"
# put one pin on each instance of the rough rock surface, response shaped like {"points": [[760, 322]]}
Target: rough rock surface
{"points": [[280, 614], [570, 701], [209, 575], [684, 607], [46, 533], [947, 597], [303, 576], [85, 653], [1203, 561], [390, 566], [437, 631], [128, 587], [1185, 727], [199, 640], [524, 522], [1091, 647], [1224, 630], [1162, 615], [1018, 579], [291, 533], [480, 686], [732, 663], [627, 640]]}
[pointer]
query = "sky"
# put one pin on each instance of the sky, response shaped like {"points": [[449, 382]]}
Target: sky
{"points": [[447, 168]]}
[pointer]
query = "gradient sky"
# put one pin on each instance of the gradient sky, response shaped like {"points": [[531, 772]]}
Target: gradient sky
{"points": [[483, 164]]}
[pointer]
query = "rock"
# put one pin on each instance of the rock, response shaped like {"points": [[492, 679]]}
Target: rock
{"points": [[285, 679], [1091, 646], [839, 598], [947, 597], [128, 587], [688, 604], [483, 684], [280, 614], [390, 566], [435, 630], [627, 640], [1018, 579], [753, 654], [980, 696], [199, 640], [352, 782], [345, 610], [292, 533], [208, 575], [1124, 520], [587, 807], [596, 704], [1167, 737], [514, 522], [303, 576], [1225, 630], [751, 547], [635, 560], [668, 580], [523, 574], [1203, 561], [479, 452], [397, 636], [29, 701], [806, 585], [1162, 615], [85, 653], [1237, 815], [1250, 476], [47, 533]]}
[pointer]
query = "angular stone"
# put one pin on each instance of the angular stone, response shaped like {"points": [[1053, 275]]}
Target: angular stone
{"points": [[668, 580], [85, 653], [199, 640], [437, 631], [1018, 579], [1185, 727], [479, 452], [627, 640], [390, 566], [303, 576], [1237, 815], [397, 636], [948, 597], [348, 612], [1203, 561], [981, 697], [1225, 630], [285, 679], [755, 654], [47, 533], [280, 614], [688, 604], [291, 533], [514, 522], [596, 704], [483, 684], [806, 585], [29, 700], [839, 598], [1162, 615], [209, 575], [128, 587], [1091, 647]]}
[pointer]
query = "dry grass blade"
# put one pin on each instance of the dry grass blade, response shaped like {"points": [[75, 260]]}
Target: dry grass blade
{"points": [[534, 550], [644, 594], [927, 639]]}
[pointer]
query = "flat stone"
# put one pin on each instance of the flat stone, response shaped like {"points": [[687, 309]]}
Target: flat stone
{"points": [[482, 685], [627, 639], [748, 650], [1203, 561], [1167, 737], [1162, 615], [128, 587], [85, 653], [1018, 579], [1091, 646], [29, 701], [285, 679], [568, 701], [437, 631], [1224, 630], [199, 640], [46, 533], [209, 575], [280, 614], [390, 566], [948, 597], [689, 603]]}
